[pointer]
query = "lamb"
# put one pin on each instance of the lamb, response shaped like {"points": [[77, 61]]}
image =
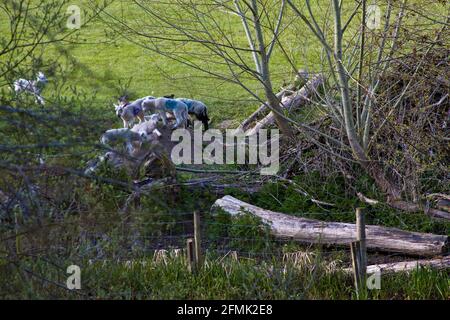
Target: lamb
{"points": [[131, 139], [148, 126], [163, 105], [123, 101], [34, 87], [128, 113], [198, 109]]}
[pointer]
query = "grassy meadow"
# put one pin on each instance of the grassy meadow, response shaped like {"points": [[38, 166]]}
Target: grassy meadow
{"points": [[101, 64]]}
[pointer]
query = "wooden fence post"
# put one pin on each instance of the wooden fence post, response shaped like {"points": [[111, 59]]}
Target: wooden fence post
{"points": [[361, 237], [190, 255], [356, 263], [197, 240], [359, 252]]}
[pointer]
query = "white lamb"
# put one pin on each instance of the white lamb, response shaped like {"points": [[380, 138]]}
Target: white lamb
{"points": [[131, 139], [34, 87]]}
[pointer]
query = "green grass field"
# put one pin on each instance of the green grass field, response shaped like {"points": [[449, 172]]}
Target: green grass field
{"points": [[103, 66]]}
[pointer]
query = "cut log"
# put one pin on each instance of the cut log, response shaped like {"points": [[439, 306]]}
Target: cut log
{"points": [[211, 184], [300, 80], [300, 97], [291, 102], [337, 233], [406, 266], [255, 115]]}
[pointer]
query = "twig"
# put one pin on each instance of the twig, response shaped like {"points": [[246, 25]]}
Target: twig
{"points": [[367, 200]]}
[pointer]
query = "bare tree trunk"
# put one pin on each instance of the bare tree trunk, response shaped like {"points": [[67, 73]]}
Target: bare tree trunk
{"points": [[373, 168], [272, 99]]}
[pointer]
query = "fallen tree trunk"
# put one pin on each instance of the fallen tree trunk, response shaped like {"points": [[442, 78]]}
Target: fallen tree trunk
{"points": [[409, 207], [405, 266], [336, 233], [211, 184], [291, 102], [414, 207]]}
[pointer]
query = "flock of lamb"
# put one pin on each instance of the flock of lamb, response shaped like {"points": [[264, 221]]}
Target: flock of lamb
{"points": [[146, 129]]}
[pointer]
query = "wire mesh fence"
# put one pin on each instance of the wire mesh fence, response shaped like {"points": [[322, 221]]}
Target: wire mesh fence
{"points": [[139, 246]]}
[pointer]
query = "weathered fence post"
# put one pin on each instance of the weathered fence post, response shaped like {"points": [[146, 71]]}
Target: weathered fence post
{"points": [[198, 240], [359, 252], [361, 237], [356, 263], [190, 254]]}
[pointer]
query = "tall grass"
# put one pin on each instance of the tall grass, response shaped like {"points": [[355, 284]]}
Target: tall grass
{"points": [[220, 278]]}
